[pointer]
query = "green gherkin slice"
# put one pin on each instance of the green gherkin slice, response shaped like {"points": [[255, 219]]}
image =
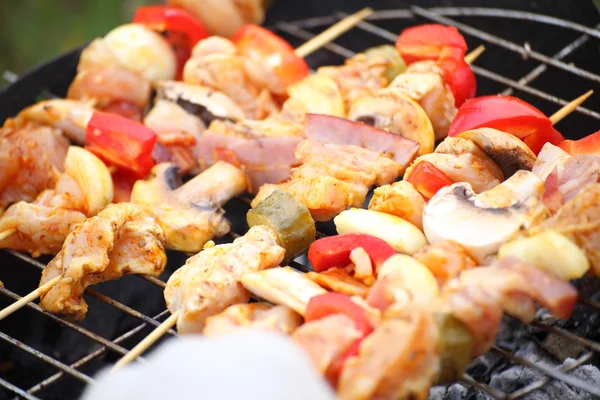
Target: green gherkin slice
{"points": [[289, 218], [456, 347]]}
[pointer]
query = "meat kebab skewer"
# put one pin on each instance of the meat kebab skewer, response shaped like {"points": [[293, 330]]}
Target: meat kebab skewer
{"points": [[210, 281], [82, 118]]}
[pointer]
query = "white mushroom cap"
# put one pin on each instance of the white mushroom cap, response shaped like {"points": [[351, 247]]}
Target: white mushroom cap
{"points": [[142, 50], [456, 213]]}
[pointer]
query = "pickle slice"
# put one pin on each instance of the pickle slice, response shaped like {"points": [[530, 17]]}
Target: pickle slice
{"points": [[455, 347], [289, 218]]}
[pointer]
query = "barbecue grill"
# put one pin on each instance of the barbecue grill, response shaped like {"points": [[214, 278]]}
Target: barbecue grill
{"points": [[44, 356]]}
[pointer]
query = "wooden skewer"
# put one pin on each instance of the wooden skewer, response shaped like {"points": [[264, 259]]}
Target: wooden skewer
{"points": [[6, 233], [333, 32], [569, 108], [29, 298], [147, 342], [474, 55]]}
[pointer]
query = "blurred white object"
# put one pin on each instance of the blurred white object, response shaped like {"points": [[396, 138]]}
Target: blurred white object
{"points": [[248, 364]]}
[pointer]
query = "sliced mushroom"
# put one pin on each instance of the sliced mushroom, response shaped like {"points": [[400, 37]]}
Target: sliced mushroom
{"points": [[478, 170], [509, 152], [190, 214], [206, 103], [142, 50], [395, 112], [456, 213], [457, 145], [283, 286], [71, 116]]}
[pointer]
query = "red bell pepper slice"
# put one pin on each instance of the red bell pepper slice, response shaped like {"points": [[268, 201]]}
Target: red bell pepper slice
{"points": [[426, 42], [272, 51], [539, 139], [428, 179], [121, 142], [182, 29], [587, 145], [458, 74], [337, 303], [508, 114], [334, 251]]}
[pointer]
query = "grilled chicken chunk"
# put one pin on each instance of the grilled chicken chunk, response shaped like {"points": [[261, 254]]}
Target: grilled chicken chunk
{"points": [[190, 214], [244, 80], [255, 315], [358, 76], [424, 82], [83, 189], [122, 239], [329, 187], [209, 282], [32, 157]]}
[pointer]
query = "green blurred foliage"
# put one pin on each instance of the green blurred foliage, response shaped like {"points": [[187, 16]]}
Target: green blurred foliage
{"points": [[33, 31]]}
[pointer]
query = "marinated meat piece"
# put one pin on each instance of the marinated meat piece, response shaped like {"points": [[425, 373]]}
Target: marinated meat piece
{"points": [[209, 282], [398, 360], [32, 157], [579, 220], [327, 338], [255, 315], [122, 239]]}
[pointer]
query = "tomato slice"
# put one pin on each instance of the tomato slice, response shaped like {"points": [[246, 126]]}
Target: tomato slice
{"points": [[121, 142], [428, 179], [587, 145], [426, 42], [181, 29], [458, 74], [272, 51], [334, 251], [337, 303]]}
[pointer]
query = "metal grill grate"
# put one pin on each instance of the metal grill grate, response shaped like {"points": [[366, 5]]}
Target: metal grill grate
{"points": [[297, 32]]}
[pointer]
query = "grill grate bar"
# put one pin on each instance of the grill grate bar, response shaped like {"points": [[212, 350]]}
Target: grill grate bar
{"points": [[528, 89], [67, 324], [505, 44], [17, 390], [589, 302], [542, 382], [540, 69], [567, 335], [552, 372], [47, 359], [102, 350]]}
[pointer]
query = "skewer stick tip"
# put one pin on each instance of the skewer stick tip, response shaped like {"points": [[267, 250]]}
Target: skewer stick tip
{"points": [[333, 32], [23, 301], [474, 55], [569, 108], [6, 233], [148, 341]]}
